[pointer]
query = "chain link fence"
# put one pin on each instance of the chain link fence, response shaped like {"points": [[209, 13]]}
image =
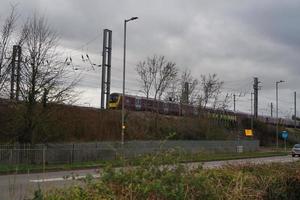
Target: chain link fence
{"points": [[102, 151]]}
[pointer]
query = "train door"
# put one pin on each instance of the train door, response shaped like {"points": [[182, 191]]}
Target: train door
{"points": [[138, 103]]}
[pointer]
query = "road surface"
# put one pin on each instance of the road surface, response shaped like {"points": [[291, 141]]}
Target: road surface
{"points": [[22, 186]]}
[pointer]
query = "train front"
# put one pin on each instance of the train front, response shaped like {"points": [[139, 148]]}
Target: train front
{"points": [[114, 101]]}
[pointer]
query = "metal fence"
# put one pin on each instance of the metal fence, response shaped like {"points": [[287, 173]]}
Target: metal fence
{"points": [[81, 152]]}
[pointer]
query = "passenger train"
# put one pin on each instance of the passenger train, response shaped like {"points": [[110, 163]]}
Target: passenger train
{"points": [[137, 103]]}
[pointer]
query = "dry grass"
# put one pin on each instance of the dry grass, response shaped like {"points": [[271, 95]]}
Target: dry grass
{"points": [[153, 181]]}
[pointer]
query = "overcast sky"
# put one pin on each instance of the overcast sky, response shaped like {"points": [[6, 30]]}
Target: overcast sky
{"points": [[235, 39]]}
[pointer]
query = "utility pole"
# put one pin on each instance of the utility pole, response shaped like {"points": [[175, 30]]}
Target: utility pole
{"points": [[106, 67], [251, 111], [271, 109], [295, 109], [108, 75], [234, 102], [255, 87], [277, 120]]}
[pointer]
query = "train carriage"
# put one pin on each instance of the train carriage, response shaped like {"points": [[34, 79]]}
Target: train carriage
{"points": [[137, 103]]}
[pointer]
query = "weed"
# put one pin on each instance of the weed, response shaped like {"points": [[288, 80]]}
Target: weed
{"points": [[153, 179]]}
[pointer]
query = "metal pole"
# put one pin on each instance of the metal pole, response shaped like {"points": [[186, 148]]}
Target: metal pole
{"points": [[234, 102], [251, 112], [44, 160], [124, 62], [108, 76], [103, 79], [295, 109], [255, 87], [277, 115], [271, 109], [123, 96]]}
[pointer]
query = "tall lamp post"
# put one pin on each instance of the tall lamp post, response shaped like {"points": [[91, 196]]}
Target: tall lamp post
{"points": [[124, 63], [277, 82], [252, 111]]}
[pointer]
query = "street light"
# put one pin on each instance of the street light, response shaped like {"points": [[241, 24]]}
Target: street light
{"points": [[124, 63], [277, 82], [252, 111]]}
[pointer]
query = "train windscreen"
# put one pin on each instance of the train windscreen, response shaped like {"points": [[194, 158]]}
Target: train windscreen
{"points": [[113, 98]]}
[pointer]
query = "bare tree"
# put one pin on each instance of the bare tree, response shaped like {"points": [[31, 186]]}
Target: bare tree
{"points": [[173, 92], [224, 104], [145, 70], [156, 74], [221, 102], [44, 77], [177, 90], [165, 73], [6, 36], [211, 88]]}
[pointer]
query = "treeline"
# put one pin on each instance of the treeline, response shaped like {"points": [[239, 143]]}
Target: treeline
{"points": [[32, 76], [161, 79]]}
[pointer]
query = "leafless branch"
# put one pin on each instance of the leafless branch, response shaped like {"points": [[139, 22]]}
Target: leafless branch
{"points": [[6, 34], [210, 90], [156, 74]]}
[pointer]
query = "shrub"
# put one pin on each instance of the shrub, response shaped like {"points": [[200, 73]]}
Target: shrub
{"points": [[153, 180]]}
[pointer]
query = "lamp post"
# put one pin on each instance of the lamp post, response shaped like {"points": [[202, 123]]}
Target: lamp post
{"points": [[252, 111], [124, 63], [277, 82]]}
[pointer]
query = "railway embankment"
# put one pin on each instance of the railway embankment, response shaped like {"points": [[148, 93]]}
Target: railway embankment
{"points": [[61, 123]]}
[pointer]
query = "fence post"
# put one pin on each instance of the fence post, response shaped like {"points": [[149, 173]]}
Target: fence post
{"points": [[44, 159], [72, 154], [11, 156], [27, 150]]}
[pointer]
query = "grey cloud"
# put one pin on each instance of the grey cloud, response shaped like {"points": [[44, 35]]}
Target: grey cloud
{"points": [[235, 39]]}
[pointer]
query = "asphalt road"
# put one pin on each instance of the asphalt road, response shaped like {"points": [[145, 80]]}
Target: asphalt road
{"points": [[22, 186]]}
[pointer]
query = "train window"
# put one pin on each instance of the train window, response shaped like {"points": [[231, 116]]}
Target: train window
{"points": [[113, 98], [138, 101]]}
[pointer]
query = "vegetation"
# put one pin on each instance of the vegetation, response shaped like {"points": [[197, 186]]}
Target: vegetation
{"points": [[156, 74], [72, 124], [76, 124], [37, 79], [6, 39], [152, 180], [160, 79]]}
